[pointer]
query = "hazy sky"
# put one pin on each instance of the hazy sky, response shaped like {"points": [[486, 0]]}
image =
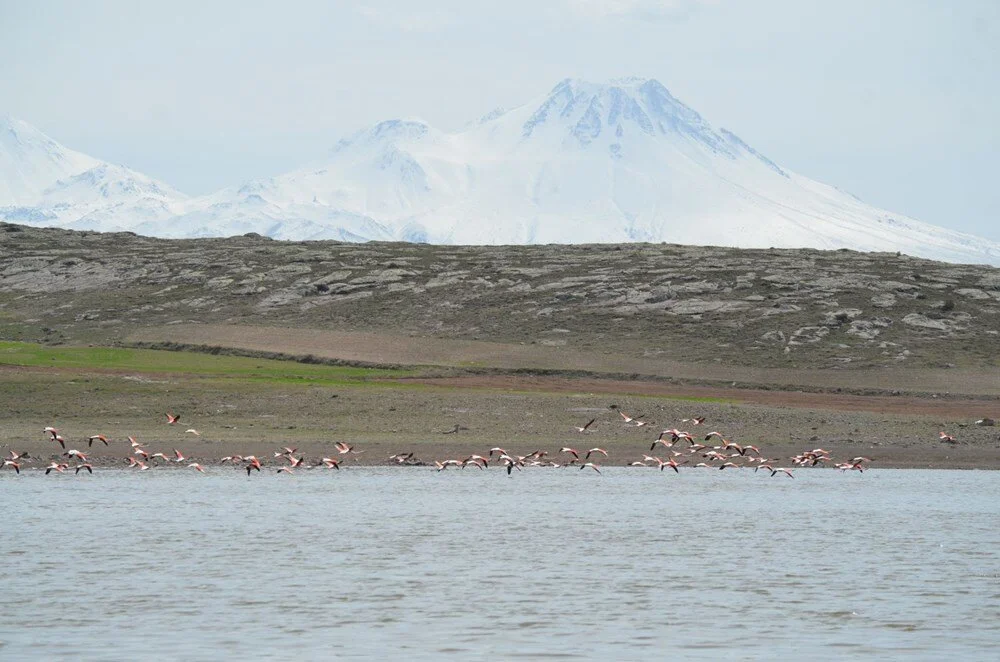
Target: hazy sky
{"points": [[896, 101]]}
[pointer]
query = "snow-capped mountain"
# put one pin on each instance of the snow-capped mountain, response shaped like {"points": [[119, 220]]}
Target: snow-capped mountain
{"points": [[44, 183], [613, 162]]}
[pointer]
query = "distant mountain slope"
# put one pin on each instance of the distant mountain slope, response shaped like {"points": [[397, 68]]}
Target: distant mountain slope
{"points": [[615, 162], [44, 183]]}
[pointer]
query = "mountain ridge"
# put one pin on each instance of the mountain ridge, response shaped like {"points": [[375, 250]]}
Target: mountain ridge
{"points": [[587, 162]]}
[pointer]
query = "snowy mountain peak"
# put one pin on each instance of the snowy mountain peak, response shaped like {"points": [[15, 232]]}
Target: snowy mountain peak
{"points": [[610, 162], [30, 162], [43, 182], [387, 132], [618, 107]]}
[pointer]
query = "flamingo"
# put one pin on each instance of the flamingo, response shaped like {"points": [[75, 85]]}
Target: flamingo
{"points": [[75, 453], [85, 465], [673, 464], [497, 449], [343, 448], [401, 458], [593, 466], [331, 463], [787, 472], [17, 456], [584, 428], [231, 458], [281, 470], [197, 467], [629, 419], [172, 418], [193, 431], [55, 466], [947, 437], [697, 420], [572, 451], [510, 463], [661, 442], [178, 456], [295, 462], [97, 437], [11, 463], [595, 450], [62, 442]]}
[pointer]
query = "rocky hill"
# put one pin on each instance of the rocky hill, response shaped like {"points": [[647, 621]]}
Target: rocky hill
{"points": [[794, 308]]}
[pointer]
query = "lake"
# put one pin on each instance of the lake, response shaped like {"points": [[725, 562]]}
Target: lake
{"points": [[463, 564]]}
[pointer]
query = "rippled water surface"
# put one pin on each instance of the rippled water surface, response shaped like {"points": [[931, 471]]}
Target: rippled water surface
{"points": [[632, 564]]}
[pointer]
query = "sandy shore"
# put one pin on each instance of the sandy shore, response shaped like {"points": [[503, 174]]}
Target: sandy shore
{"points": [[520, 414]]}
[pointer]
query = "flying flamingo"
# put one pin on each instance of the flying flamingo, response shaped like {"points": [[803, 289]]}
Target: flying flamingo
{"points": [[947, 437], [629, 419], [75, 453], [595, 450], [592, 466], [197, 467], [85, 465], [584, 428], [172, 418], [572, 451], [193, 431], [11, 463], [344, 448], [97, 437], [55, 466], [178, 457]]}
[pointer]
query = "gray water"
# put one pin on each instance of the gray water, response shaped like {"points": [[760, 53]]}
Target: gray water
{"points": [[408, 562]]}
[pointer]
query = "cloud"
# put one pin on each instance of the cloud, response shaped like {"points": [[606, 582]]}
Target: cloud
{"points": [[407, 20], [650, 10]]}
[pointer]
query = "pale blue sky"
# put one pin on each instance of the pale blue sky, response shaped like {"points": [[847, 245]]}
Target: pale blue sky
{"points": [[896, 101]]}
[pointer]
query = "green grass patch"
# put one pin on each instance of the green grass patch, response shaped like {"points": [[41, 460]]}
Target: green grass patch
{"points": [[189, 363]]}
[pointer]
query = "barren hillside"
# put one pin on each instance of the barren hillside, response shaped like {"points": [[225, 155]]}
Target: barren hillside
{"points": [[754, 308]]}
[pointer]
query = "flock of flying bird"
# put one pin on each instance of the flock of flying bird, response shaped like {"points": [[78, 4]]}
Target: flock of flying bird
{"points": [[679, 447], [724, 454]]}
